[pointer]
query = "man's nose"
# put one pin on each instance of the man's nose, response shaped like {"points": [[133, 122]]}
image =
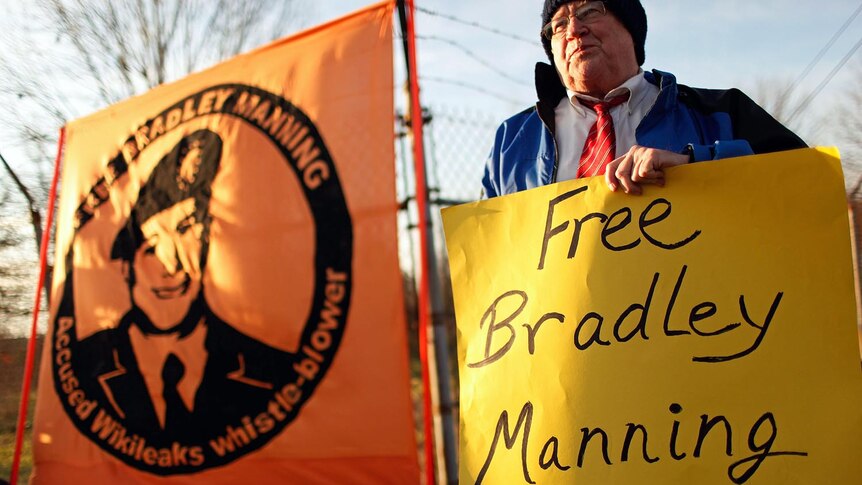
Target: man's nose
{"points": [[576, 28]]}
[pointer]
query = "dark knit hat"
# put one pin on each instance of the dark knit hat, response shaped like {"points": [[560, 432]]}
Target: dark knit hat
{"points": [[629, 12]]}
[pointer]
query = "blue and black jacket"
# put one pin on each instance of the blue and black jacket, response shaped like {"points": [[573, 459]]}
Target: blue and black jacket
{"points": [[715, 123]]}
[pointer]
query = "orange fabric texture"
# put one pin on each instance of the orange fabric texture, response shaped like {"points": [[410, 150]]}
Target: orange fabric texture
{"points": [[227, 303]]}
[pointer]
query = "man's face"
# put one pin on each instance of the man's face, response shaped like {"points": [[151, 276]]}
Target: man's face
{"points": [[595, 57], [167, 265]]}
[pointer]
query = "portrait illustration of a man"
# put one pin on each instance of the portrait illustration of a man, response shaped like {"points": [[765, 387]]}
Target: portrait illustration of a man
{"points": [[171, 366]]}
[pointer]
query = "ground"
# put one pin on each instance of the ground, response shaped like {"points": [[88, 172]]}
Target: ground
{"points": [[12, 356]]}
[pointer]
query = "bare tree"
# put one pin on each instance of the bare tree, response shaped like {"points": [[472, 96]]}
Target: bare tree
{"points": [[781, 99], [61, 59], [847, 124], [12, 284], [839, 123]]}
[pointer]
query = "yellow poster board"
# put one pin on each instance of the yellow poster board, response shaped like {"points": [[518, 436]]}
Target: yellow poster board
{"points": [[703, 332]]}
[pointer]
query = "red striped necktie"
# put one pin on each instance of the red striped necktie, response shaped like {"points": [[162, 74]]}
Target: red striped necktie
{"points": [[601, 143]]}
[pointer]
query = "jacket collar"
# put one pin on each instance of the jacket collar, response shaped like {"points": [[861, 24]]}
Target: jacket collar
{"points": [[550, 90], [667, 86]]}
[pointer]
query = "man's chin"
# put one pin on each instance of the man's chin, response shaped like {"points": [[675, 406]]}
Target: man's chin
{"points": [[161, 317], [167, 320]]}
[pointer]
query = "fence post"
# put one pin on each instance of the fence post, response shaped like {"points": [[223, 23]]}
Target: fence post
{"points": [[445, 428], [434, 387]]}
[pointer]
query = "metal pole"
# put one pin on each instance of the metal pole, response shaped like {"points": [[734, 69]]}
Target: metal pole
{"points": [[852, 208], [441, 319], [407, 11], [446, 407]]}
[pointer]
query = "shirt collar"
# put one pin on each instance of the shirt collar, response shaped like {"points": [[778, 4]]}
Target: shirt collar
{"points": [[634, 85]]}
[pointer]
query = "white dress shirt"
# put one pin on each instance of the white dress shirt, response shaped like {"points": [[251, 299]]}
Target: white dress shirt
{"points": [[573, 122]]}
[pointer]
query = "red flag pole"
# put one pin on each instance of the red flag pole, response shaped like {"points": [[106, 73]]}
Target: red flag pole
{"points": [[31, 345], [422, 209]]}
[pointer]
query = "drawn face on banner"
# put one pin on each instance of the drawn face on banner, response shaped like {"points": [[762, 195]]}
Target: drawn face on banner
{"points": [[210, 227], [167, 265], [163, 243]]}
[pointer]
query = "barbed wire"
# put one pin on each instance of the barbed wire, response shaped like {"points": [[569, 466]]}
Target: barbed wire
{"points": [[473, 87], [474, 56], [477, 25], [466, 118]]}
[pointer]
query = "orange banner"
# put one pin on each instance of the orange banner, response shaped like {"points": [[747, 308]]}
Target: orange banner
{"points": [[227, 304]]}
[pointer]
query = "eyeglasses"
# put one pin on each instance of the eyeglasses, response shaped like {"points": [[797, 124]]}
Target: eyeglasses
{"points": [[586, 13]]}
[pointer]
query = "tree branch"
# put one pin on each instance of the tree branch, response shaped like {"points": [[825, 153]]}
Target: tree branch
{"points": [[35, 215]]}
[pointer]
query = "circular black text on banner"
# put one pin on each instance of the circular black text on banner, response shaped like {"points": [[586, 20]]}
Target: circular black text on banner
{"points": [[168, 385]]}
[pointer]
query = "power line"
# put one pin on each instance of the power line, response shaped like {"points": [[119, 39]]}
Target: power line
{"points": [[477, 25], [472, 87], [474, 56], [825, 81], [822, 52]]}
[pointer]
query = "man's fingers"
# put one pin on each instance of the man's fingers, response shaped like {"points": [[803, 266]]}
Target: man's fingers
{"points": [[650, 164], [641, 165], [645, 170], [624, 174], [610, 173]]}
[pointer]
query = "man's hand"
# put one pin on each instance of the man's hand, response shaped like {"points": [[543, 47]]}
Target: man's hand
{"points": [[641, 165]]}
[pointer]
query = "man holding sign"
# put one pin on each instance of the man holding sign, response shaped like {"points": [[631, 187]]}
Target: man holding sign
{"points": [[701, 334], [599, 113]]}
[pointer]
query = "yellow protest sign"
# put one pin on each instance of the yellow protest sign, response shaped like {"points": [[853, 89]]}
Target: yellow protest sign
{"points": [[703, 332]]}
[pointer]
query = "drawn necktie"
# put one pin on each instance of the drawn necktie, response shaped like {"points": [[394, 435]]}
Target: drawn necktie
{"points": [[176, 414], [600, 146]]}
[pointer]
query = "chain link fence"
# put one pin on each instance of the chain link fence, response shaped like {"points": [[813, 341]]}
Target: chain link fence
{"points": [[457, 142]]}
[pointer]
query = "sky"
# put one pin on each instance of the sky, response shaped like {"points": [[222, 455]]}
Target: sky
{"points": [[705, 43]]}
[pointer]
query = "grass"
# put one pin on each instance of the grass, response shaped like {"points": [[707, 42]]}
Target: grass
{"points": [[7, 449], [12, 357]]}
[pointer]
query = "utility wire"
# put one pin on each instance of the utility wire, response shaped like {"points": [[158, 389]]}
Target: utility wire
{"points": [[474, 56], [822, 52], [472, 87], [477, 25], [816, 91]]}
